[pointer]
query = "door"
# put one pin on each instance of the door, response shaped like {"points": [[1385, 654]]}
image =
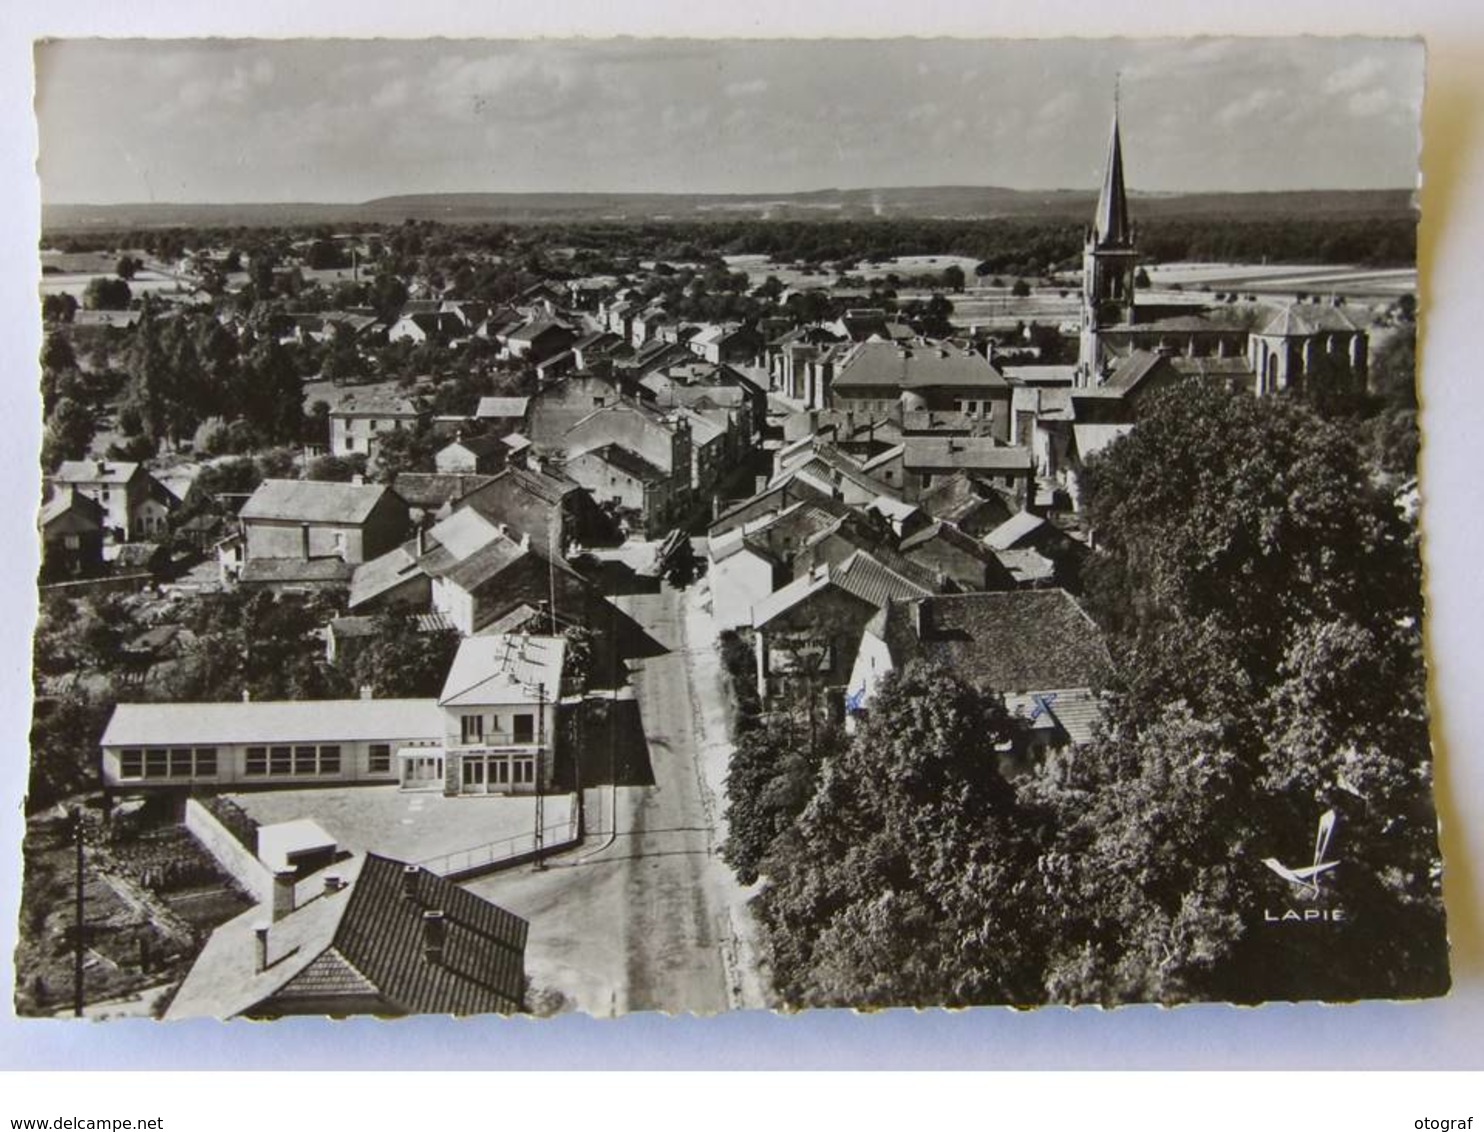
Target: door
{"points": [[475, 780]]}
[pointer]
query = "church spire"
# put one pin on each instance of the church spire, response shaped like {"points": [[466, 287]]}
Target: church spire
{"points": [[1111, 223]]}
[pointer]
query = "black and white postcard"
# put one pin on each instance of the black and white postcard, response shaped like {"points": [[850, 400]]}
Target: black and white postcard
{"points": [[701, 525]]}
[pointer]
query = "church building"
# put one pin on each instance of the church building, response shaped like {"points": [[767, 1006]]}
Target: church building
{"points": [[1263, 349]]}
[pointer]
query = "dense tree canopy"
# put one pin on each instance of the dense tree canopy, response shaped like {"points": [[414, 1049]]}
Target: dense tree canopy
{"points": [[1261, 597], [901, 881]]}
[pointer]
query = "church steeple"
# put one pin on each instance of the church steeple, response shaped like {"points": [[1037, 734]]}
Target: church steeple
{"points": [[1111, 223], [1109, 263]]}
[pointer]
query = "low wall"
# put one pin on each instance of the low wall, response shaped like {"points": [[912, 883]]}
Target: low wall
{"points": [[511, 852], [107, 583], [233, 856]]}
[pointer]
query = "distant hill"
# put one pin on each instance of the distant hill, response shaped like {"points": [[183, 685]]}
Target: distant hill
{"points": [[950, 202]]}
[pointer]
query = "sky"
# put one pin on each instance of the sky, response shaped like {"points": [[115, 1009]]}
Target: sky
{"points": [[353, 120]]}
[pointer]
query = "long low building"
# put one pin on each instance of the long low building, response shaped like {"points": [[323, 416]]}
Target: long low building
{"points": [[294, 742], [493, 730]]}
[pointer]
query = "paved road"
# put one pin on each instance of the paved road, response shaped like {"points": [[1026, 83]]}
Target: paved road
{"points": [[674, 918], [643, 920]]}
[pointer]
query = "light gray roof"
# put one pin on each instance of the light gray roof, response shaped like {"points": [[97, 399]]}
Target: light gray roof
{"points": [[502, 407], [362, 404], [278, 721], [313, 501], [891, 366], [1012, 530], [969, 452], [504, 668], [94, 471]]}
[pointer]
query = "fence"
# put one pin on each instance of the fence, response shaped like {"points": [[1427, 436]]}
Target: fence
{"points": [[508, 852]]}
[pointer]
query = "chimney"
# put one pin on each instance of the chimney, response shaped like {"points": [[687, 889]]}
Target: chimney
{"points": [[246, 696], [358, 479], [421, 546], [525, 541], [102, 467], [304, 541], [333, 884], [411, 875], [435, 934], [922, 619], [283, 893], [260, 947], [366, 692]]}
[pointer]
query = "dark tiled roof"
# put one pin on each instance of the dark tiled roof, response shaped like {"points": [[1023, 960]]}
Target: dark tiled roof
{"points": [[870, 579], [68, 501], [431, 490], [1304, 319], [381, 936], [1014, 641], [628, 462], [286, 571], [478, 445]]}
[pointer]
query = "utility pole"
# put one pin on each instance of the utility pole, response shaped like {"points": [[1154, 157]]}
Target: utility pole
{"points": [[540, 836], [79, 918]]}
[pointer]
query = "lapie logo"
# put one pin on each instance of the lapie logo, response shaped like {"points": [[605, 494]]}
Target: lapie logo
{"points": [[1306, 879]]}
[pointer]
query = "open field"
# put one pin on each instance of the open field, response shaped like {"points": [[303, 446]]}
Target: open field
{"points": [[1288, 278]]}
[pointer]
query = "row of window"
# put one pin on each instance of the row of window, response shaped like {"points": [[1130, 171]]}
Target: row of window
{"points": [[300, 761], [481, 773], [201, 762], [173, 762]]}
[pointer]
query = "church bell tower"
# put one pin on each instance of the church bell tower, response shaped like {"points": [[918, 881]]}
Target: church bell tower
{"points": [[1109, 262]]}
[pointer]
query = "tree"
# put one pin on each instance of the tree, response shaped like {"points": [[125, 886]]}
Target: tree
{"points": [[59, 307], [901, 881], [106, 294], [403, 661], [1021, 289], [953, 277], [1225, 523], [337, 469], [1265, 619], [770, 778], [273, 396], [127, 267], [65, 732], [1141, 278], [405, 450], [69, 432], [151, 388], [1394, 368]]}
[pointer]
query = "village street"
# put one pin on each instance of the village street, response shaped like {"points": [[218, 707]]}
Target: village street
{"points": [[646, 916]]}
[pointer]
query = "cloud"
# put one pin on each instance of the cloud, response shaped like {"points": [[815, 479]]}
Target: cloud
{"points": [[532, 86], [1249, 104], [745, 89], [1055, 109], [392, 95]]}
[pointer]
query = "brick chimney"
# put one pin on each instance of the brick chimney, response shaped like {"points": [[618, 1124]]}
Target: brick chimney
{"points": [[435, 935], [922, 619], [260, 947], [411, 875], [283, 893]]}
